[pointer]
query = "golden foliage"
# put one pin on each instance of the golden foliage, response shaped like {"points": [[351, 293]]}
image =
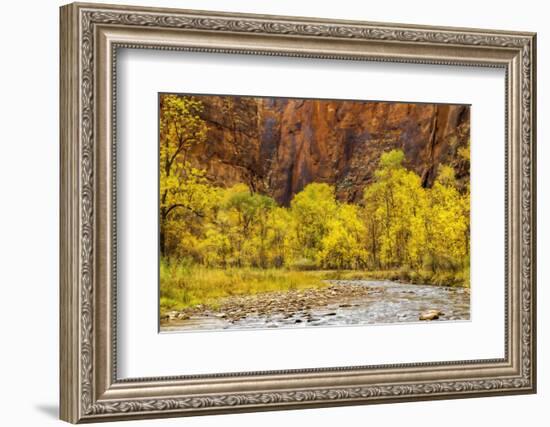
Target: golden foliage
{"points": [[398, 225]]}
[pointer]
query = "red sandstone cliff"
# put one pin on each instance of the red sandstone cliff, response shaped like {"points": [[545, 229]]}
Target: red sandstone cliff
{"points": [[277, 145]]}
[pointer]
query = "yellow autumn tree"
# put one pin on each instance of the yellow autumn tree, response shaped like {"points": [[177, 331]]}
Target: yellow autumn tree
{"points": [[394, 214], [342, 247], [250, 213], [312, 209], [184, 192], [278, 225], [447, 223]]}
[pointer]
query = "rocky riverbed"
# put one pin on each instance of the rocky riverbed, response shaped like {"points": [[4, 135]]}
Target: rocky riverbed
{"points": [[342, 302]]}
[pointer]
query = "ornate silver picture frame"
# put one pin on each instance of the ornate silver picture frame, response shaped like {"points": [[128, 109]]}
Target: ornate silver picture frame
{"points": [[91, 35]]}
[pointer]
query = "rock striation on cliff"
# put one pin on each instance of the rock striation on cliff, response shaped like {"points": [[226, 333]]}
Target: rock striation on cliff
{"points": [[279, 145]]}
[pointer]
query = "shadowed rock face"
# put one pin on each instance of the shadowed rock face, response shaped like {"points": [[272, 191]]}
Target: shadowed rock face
{"points": [[278, 145]]}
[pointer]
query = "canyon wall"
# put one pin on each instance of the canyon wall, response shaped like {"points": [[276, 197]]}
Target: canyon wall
{"points": [[279, 145]]}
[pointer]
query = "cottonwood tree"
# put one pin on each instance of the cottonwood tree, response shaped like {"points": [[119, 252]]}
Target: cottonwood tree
{"points": [[183, 189], [447, 223], [342, 247], [395, 206], [311, 209]]}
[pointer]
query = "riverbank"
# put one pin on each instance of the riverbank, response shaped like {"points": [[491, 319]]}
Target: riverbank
{"points": [[341, 302], [184, 287], [418, 277], [285, 303]]}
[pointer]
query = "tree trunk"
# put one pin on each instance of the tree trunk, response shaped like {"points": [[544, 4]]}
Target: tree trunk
{"points": [[162, 240], [162, 236]]}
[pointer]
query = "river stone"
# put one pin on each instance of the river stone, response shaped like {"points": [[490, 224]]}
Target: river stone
{"points": [[430, 315], [172, 315]]}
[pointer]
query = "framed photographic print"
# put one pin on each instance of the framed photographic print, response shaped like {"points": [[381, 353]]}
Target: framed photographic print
{"points": [[265, 212], [293, 212]]}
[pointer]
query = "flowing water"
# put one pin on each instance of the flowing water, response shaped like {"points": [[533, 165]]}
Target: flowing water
{"points": [[390, 302]]}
